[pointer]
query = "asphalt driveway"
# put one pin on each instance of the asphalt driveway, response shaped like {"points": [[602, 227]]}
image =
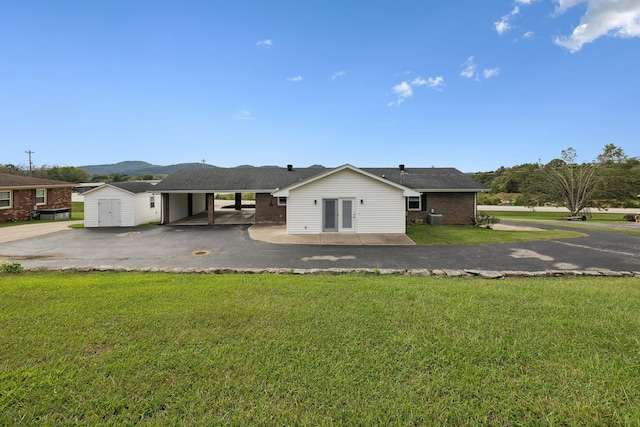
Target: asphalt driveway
{"points": [[231, 246]]}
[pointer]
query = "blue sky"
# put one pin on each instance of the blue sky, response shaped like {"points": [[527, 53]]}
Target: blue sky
{"points": [[469, 84]]}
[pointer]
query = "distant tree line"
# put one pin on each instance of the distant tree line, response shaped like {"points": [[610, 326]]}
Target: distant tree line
{"points": [[610, 180], [71, 174]]}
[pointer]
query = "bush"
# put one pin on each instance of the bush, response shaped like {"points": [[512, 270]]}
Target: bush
{"points": [[12, 267], [485, 220]]}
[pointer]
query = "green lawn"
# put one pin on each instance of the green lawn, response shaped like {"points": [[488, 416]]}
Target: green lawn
{"points": [[428, 235], [167, 349], [533, 214]]}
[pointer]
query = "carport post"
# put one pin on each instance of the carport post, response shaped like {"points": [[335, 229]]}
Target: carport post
{"points": [[238, 205], [210, 207], [165, 208]]}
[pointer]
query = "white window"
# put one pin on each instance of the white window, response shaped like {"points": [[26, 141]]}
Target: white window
{"points": [[5, 199], [41, 196], [413, 203], [152, 201], [282, 201]]}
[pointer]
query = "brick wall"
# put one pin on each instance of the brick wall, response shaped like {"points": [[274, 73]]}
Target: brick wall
{"points": [[23, 202], [455, 208], [268, 211]]}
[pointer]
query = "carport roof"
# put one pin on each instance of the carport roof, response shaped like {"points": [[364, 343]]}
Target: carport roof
{"points": [[269, 179]]}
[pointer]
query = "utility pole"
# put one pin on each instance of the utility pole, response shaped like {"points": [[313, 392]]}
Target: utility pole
{"points": [[203, 163], [29, 152]]}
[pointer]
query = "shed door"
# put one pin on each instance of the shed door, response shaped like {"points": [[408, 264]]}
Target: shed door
{"points": [[108, 212]]}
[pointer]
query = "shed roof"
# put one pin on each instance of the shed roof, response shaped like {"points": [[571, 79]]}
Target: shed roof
{"points": [[11, 181], [270, 179], [133, 187]]}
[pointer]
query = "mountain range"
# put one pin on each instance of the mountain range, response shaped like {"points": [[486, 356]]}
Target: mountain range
{"points": [[135, 167]]}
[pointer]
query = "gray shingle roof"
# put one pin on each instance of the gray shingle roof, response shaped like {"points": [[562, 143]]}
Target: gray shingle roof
{"points": [[8, 180], [269, 179], [134, 186]]}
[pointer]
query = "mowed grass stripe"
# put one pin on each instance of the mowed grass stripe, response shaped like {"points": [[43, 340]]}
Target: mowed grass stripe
{"points": [[124, 348]]}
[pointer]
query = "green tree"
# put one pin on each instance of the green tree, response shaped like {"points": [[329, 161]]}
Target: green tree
{"points": [[14, 169], [620, 177], [565, 182], [67, 173]]}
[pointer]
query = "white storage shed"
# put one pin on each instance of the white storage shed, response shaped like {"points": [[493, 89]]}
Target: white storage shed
{"points": [[121, 204]]}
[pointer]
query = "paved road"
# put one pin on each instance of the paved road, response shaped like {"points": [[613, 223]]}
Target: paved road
{"points": [[231, 247]]}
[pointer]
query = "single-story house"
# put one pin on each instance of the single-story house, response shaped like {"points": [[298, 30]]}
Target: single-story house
{"points": [[317, 200], [24, 197], [121, 204]]}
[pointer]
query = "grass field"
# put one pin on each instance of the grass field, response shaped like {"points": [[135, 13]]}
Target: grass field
{"points": [[158, 349], [427, 235]]}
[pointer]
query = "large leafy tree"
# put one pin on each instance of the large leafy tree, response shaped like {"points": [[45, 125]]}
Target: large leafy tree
{"points": [[63, 173], [565, 182]]}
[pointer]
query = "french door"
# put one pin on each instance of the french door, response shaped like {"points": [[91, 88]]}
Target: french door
{"points": [[338, 215]]}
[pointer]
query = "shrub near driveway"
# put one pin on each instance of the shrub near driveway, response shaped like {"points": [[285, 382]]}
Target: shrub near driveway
{"points": [[123, 348]]}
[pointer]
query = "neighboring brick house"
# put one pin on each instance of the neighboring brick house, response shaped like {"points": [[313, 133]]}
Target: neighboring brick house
{"points": [[307, 199], [24, 197]]}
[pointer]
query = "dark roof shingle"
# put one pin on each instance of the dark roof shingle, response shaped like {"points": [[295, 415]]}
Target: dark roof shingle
{"points": [[8, 180], [268, 179]]}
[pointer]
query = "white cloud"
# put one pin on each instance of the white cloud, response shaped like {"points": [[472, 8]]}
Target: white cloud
{"points": [[503, 25], [243, 115], [265, 43], [619, 18], [468, 68], [338, 75], [395, 103], [297, 78], [490, 72], [403, 90], [528, 35], [432, 82]]}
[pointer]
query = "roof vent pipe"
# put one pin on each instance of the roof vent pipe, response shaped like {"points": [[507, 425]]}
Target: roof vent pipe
{"points": [[401, 167], [289, 168]]}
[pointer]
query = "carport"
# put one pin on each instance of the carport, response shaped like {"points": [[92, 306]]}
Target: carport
{"points": [[225, 212]]}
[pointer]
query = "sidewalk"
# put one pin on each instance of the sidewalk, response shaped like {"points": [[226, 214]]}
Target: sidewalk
{"points": [[278, 234], [18, 232]]}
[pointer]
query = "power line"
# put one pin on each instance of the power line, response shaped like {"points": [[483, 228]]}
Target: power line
{"points": [[29, 152]]}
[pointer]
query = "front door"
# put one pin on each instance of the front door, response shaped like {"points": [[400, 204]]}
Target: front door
{"points": [[338, 215], [330, 215], [346, 216]]}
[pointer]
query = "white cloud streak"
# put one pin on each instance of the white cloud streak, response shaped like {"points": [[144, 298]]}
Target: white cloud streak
{"points": [[404, 90], [616, 18], [265, 43], [503, 25], [490, 72], [295, 79], [338, 75], [469, 71], [243, 115], [468, 68]]}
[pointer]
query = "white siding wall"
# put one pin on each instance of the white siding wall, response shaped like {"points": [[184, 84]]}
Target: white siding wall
{"points": [[91, 206], [382, 210], [144, 213], [199, 203], [178, 206]]}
